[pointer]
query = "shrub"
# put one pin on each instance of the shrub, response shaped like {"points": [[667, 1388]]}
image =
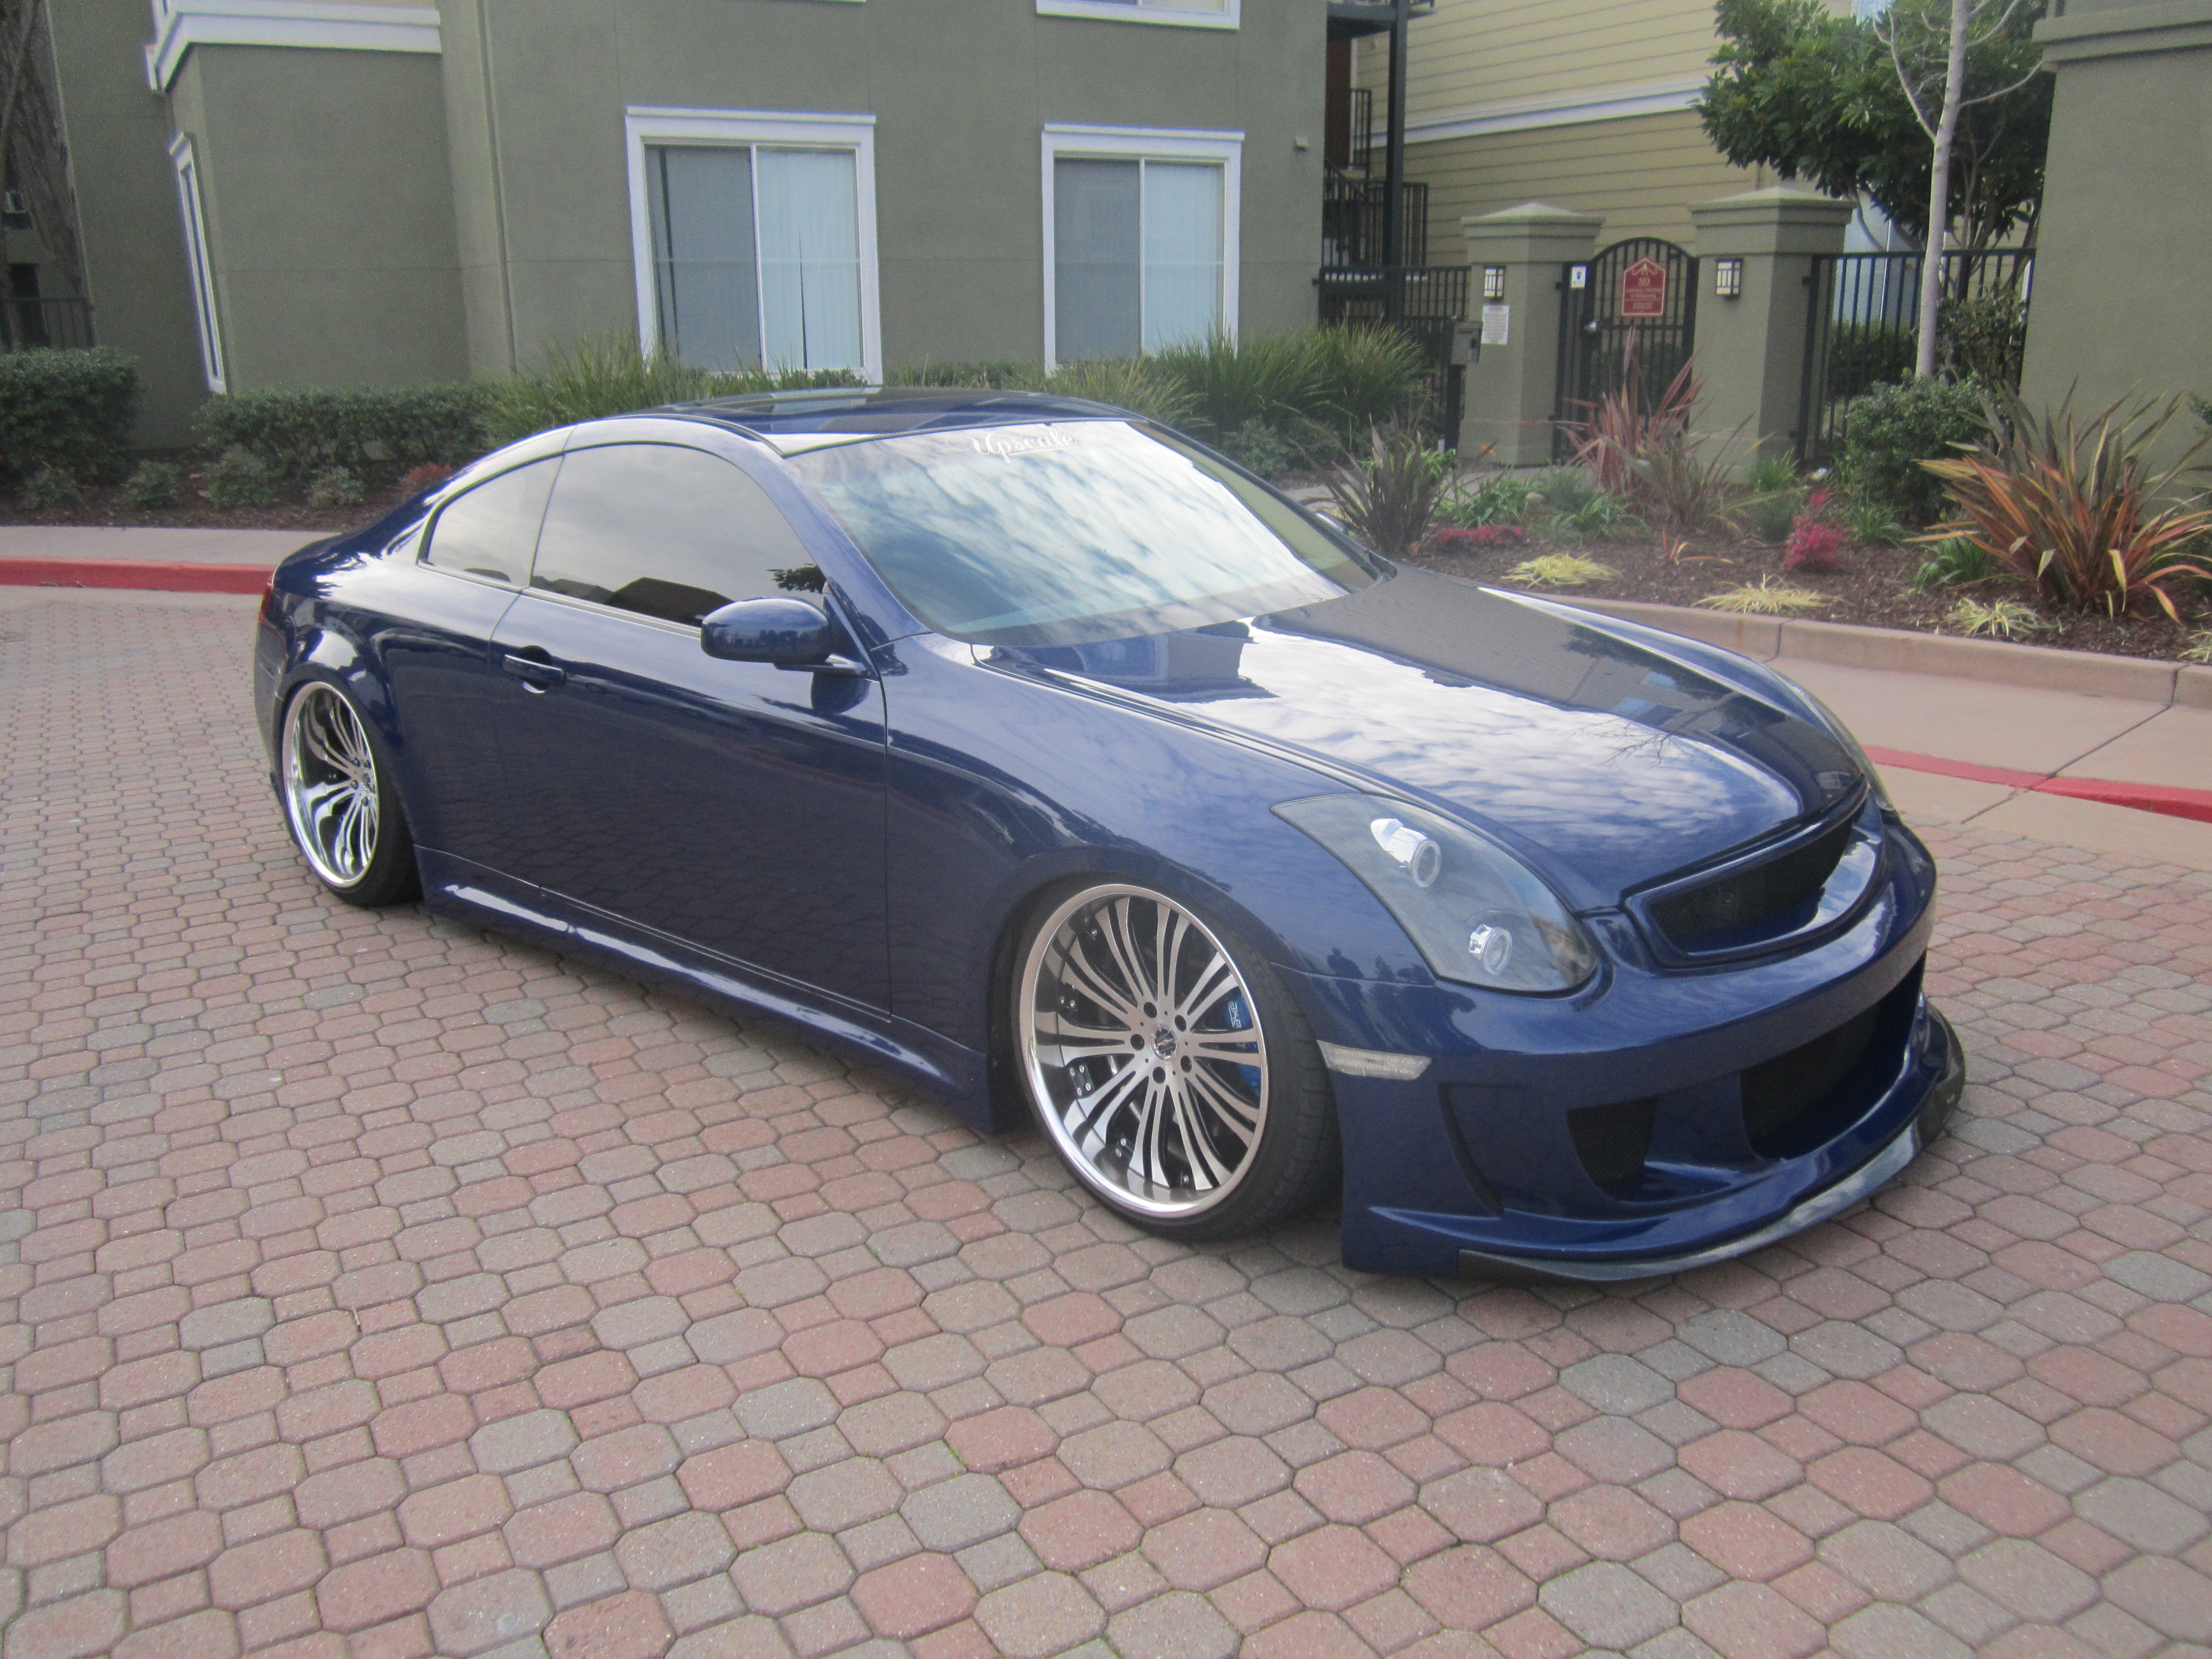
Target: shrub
{"points": [[1872, 523], [336, 488], [610, 376], [1770, 475], [1765, 598], [1259, 447], [1386, 497], [1363, 377], [240, 479], [2199, 648], [154, 484], [2066, 503], [1565, 488], [1603, 515], [1136, 383], [1561, 571], [1890, 430], [2006, 618], [1955, 563], [416, 479], [1770, 517], [51, 488], [1461, 538], [1814, 545], [71, 410], [1983, 337], [994, 374], [1500, 500], [301, 433], [1622, 427]]}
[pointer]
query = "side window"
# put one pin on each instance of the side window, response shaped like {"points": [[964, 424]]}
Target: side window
{"points": [[489, 532], [665, 531]]}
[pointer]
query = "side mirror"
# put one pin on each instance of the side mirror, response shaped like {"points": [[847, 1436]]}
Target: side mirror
{"points": [[789, 633]]}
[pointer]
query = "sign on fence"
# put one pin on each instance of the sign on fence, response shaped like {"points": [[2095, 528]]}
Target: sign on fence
{"points": [[1643, 289]]}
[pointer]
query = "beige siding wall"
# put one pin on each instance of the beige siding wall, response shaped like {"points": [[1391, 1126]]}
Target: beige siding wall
{"points": [[1642, 173], [1486, 51]]}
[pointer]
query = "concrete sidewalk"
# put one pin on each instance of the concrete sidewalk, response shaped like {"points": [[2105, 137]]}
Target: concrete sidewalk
{"points": [[1975, 717]]}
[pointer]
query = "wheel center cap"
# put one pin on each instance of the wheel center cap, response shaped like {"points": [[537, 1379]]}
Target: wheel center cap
{"points": [[1163, 1042]]}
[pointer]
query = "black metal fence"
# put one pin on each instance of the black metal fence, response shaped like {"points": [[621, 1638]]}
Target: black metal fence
{"points": [[1426, 302], [34, 325], [1863, 329]]}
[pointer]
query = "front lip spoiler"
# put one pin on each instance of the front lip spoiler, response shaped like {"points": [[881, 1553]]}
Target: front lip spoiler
{"points": [[1862, 1183]]}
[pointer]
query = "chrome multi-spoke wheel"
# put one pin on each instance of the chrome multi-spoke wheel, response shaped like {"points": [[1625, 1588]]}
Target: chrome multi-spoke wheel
{"points": [[338, 803], [1145, 1054]]}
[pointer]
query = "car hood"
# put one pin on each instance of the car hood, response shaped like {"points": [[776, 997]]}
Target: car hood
{"points": [[1605, 762]]}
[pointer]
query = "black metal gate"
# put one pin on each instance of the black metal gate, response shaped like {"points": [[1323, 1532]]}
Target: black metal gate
{"points": [[1630, 315]]}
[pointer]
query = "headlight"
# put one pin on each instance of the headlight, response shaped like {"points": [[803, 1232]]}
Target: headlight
{"points": [[1480, 915]]}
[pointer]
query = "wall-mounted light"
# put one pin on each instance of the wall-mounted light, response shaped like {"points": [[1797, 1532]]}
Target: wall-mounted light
{"points": [[1728, 279], [1494, 283]]}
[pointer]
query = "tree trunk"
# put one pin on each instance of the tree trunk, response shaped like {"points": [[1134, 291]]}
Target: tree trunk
{"points": [[1939, 187]]}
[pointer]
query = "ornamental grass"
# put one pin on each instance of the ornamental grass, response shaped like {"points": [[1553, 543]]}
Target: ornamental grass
{"points": [[2067, 504]]}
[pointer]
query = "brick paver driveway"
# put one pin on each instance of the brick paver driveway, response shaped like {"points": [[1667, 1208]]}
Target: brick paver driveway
{"points": [[378, 1287]]}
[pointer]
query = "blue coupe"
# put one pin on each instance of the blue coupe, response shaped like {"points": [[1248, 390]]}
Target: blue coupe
{"points": [[1031, 751]]}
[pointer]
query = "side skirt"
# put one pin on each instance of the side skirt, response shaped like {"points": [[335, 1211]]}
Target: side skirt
{"points": [[958, 1075]]}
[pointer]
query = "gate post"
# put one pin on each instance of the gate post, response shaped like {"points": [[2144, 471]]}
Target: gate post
{"points": [[1751, 349], [1511, 388]]}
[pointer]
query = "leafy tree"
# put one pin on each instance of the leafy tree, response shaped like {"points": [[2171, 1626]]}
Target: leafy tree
{"points": [[1824, 98]]}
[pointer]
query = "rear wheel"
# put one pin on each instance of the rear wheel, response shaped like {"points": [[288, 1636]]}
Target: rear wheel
{"points": [[1175, 1077], [339, 803]]}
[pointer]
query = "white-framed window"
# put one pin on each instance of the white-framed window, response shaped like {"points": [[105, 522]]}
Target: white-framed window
{"points": [[754, 238], [1191, 14], [197, 262], [1140, 241]]}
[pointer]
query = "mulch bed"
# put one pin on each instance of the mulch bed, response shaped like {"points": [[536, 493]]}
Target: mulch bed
{"points": [[104, 506], [1871, 586]]}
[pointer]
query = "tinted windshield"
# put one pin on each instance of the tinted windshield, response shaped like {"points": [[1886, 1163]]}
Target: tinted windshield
{"points": [[1064, 533]]}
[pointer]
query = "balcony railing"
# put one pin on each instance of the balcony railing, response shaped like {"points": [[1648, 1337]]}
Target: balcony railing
{"points": [[1351, 223], [1347, 129], [34, 325]]}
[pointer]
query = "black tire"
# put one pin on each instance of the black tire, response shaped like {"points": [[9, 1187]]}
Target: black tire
{"points": [[1213, 1060], [341, 806]]}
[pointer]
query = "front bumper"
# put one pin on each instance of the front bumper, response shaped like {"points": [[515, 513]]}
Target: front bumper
{"points": [[1655, 1121]]}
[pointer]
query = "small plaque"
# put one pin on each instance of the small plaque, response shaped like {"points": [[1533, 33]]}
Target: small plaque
{"points": [[1496, 323], [1643, 289], [1577, 276]]}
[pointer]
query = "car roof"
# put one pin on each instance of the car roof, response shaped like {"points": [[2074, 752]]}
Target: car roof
{"points": [[876, 412]]}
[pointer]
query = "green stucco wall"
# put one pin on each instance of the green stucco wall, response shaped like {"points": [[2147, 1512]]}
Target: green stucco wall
{"points": [[2125, 246], [118, 133], [328, 213], [536, 91]]}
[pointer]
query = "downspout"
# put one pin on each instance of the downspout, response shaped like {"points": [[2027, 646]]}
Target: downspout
{"points": [[1394, 171]]}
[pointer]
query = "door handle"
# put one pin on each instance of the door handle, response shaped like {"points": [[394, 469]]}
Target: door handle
{"points": [[536, 674]]}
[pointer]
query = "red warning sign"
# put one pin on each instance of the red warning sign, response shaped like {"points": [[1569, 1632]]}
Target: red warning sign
{"points": [[1643, 289]]}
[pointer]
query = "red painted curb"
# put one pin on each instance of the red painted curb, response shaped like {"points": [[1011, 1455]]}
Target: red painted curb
{"points": [[171, 578], [2162, 799], [1951, 768]]}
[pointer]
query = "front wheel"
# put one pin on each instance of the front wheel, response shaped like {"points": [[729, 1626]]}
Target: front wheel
{"points": [[1177, 1078], [339, 803]]}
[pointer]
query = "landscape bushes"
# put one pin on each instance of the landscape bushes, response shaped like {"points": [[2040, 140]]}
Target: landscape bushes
{"points": [[1270, 401], [1888, 433], [299, 434], [71, 411]]}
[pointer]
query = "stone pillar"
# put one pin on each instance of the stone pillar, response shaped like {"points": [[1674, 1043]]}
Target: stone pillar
{"points": [[1511, 389], [2125, 239], [1751, 349]]}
